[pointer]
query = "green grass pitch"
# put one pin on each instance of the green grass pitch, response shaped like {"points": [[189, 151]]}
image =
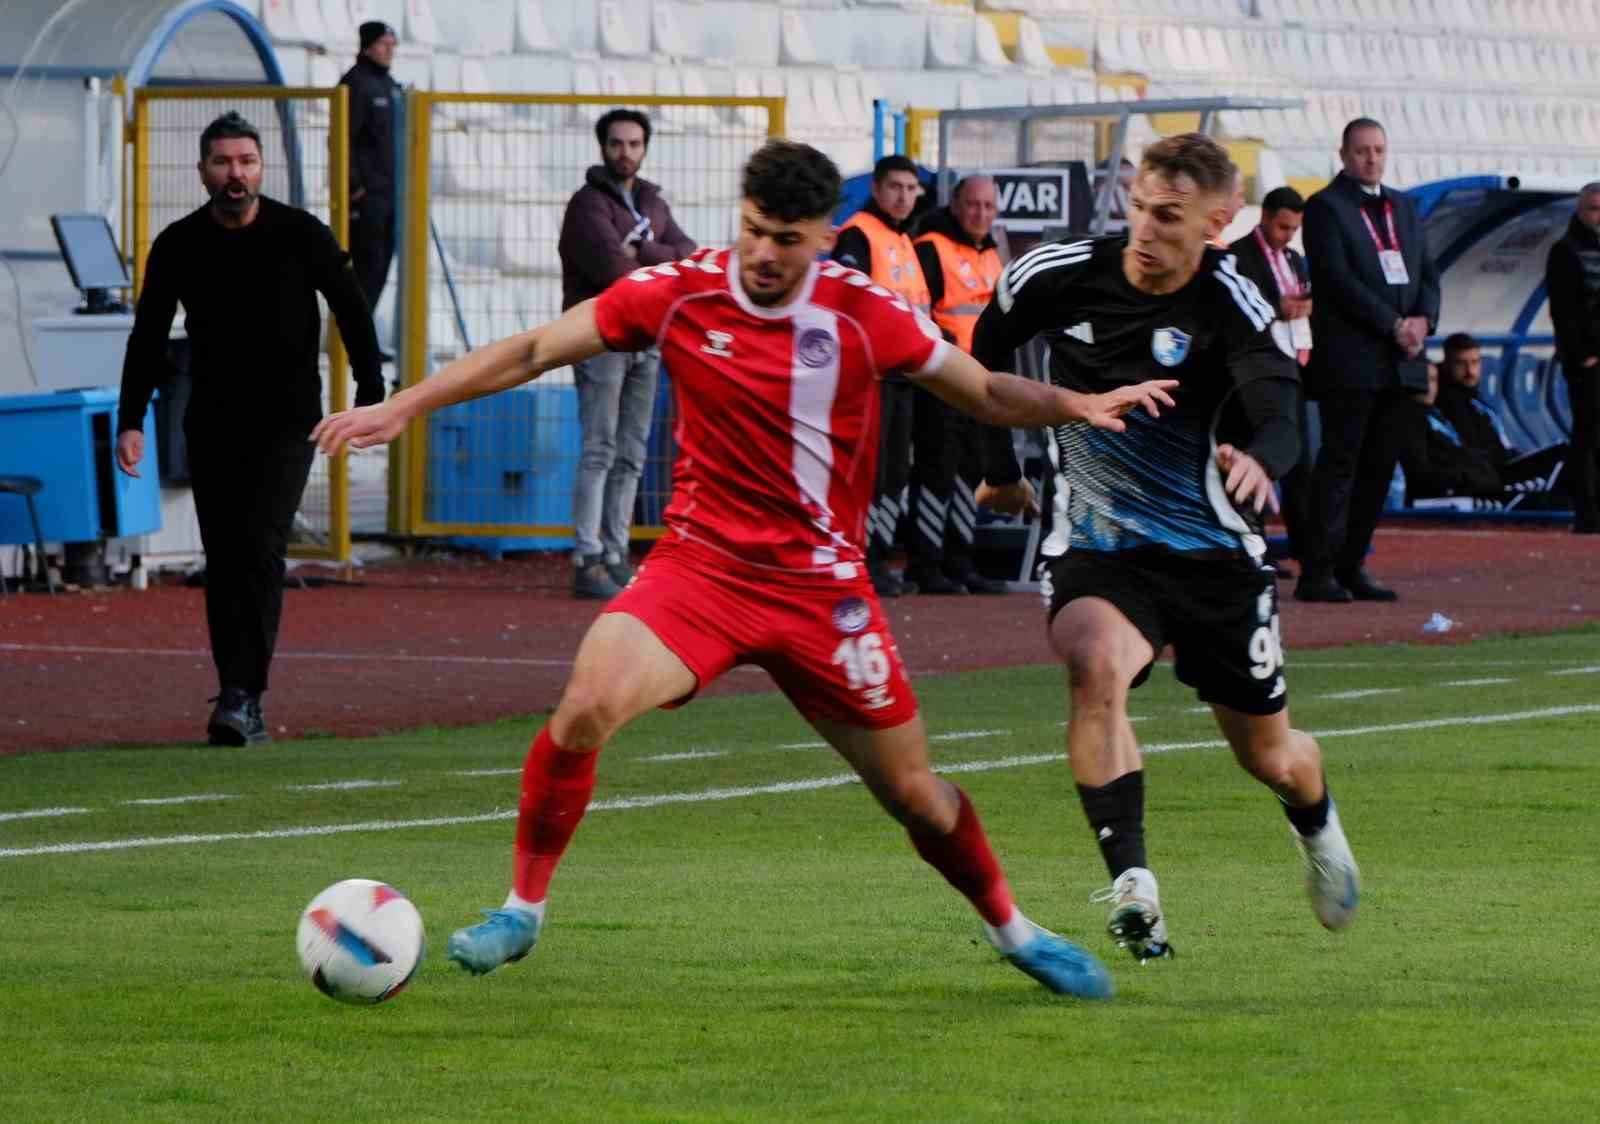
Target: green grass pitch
{"points": [[734, 936]]}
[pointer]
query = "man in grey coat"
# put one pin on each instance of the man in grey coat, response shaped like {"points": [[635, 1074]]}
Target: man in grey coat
{"points": [[615, 223]]}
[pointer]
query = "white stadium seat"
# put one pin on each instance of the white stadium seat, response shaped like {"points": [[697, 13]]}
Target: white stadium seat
{"points": [[951, 41], [337, 24], [420, 25], [532, 32], [796, 47], [986, 44], [1031, 49]]}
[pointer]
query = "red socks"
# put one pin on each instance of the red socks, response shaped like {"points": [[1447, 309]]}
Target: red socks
{"points": [[968, 864], [556, 785]]}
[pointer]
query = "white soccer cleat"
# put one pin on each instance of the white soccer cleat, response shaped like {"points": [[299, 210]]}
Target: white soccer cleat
{"points": [[1332, 878], [1135, 922]]}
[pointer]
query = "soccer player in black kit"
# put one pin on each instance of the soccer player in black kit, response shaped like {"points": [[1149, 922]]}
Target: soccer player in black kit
{"points": [[247, 270], [1156, 535]]}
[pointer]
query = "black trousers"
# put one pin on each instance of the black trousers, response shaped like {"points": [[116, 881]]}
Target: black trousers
{"points": [[1294, 494], [946, 468], [1361, 437], [246, 491], [897, 401], [372, 246], [1583, 391]]}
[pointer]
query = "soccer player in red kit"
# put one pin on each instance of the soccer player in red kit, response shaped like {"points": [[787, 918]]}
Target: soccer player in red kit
{"points": [[775, 358]]}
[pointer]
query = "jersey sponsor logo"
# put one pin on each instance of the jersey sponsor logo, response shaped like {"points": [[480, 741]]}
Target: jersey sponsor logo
{"points": [[717, 343], [816, 347], [851, 615], [1170, 346], [1083, 332]]}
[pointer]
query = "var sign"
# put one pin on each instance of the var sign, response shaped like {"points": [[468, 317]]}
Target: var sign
{"points": [[1030, 198]]}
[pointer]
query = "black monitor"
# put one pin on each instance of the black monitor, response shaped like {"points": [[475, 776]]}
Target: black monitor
{"points": [[92, 257]]}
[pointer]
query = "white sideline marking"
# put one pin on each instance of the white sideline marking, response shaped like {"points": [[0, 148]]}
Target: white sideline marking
{"points": [[713, 794], [196, 799], [486, 772], [329, 786], [690, 755], [1577, 670], [1490, 682], [1363, 693], [41, 813], [804, 745]]}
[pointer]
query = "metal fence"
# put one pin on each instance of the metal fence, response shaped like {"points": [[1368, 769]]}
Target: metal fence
{"points": [[487, 180], [305, 159]]}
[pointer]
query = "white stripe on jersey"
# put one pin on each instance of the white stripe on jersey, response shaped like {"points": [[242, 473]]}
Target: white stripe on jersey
{"points": [[1245, 294], [1037, 260], [812, 391]]}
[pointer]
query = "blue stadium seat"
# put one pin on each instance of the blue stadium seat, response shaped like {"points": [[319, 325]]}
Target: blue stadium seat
{"points": [[1525, 396]]}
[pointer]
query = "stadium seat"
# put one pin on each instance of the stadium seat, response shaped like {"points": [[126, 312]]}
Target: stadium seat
{"points": [[987, 50], [1528, 399], [337, 23], [532, 32], [618, 38], [292, 21], [1031, 49], [668, 34], [795, 45], [951, 41], [420, 26], [527, 237]]}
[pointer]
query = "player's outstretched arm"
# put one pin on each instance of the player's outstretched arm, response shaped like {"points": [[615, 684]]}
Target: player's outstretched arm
{"points": [[1007, 400], [571, 337]]}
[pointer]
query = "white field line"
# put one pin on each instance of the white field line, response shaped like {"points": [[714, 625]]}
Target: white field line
{"points": [[332, 786], [486, 772], [701, 796], [41, 813], [198, 798], [1578, 670], [1493, 680], [690, 755], [1363, 693]]}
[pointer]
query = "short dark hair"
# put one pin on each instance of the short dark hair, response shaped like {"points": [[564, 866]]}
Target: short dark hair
{"points": [[1457, 342], [602, 127], [230, 126], [1283, 199], [1194, 155], [892, 163], [1360, 123], [790, 181]]}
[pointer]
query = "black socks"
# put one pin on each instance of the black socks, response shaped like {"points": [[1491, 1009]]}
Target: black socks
{"points": [[1116, 813], [1311, 819]]}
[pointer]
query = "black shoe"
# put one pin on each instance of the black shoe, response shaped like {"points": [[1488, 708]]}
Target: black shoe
{"points": [[621, 573], [1363, 588], [1314, 588], [884, 582], [236, 719], [974, 582], [591, 581], [934, 583]]}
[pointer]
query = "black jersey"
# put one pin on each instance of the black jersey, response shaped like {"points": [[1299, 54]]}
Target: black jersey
{"points": [[1157, 484]]}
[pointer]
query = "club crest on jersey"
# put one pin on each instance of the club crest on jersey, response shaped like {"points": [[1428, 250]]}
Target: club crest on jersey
{"points": [[851, 615], [816, 347], [1170, 346], [717, 343]]}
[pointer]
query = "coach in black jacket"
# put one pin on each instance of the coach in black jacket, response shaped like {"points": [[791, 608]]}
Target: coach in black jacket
{"points": [[1377, 301], [1279, 271]]}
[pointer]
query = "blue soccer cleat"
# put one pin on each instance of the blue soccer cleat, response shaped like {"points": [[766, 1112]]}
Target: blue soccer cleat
{"points": [[1063, 967], [506, 937]]}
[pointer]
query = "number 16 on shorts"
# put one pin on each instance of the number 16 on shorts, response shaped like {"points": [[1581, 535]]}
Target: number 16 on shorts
{"points": [[866, 667]]}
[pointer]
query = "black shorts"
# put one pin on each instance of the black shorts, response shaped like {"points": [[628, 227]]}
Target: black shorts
{"points": [[1220, 616]]}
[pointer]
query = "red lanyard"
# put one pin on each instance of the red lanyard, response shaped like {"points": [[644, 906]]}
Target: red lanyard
{"points": [[1288, 283], [1388, 214]]}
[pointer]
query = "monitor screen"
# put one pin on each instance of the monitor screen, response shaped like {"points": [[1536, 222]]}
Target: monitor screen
{"points": [[91, 251]]}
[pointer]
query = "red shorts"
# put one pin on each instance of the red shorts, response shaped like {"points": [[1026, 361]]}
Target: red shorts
{"points": [[824, 641]]}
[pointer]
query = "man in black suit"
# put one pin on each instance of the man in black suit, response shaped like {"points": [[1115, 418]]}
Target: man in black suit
{"points": [[1265, 256], [1572, 278], [1377, 302]]}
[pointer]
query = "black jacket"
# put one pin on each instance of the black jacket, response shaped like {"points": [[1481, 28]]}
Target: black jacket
{"points": [[1254, 265], [1355, 309], [1574, 307], [1436, 459], [1472, 419], [374, 100]]}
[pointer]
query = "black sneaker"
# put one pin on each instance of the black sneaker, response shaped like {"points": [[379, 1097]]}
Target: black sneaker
{"points": [[974, 582], [236, 719], [884, 582], [621, 573], [591, 581], [1362, 587], [934, 583]]}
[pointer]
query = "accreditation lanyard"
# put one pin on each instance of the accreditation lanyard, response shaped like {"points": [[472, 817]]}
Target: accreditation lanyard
{"points": [[1392, 261], [1288, 283]]}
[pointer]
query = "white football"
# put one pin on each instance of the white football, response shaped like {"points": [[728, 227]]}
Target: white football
{"points": [[360, 941]]}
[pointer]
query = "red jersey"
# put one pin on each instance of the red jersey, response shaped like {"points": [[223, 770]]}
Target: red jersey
{"points": [[777, 408]]}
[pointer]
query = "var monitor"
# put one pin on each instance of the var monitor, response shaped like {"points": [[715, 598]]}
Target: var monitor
{"points": [[92, 257]]}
